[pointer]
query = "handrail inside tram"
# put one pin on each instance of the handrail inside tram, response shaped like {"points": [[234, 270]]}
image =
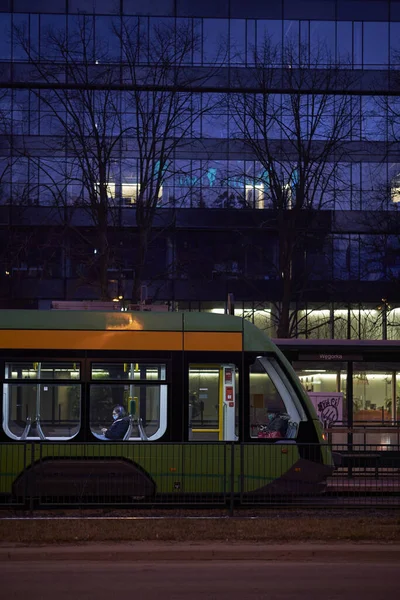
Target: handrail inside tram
{"points": [[39, 428], [26, 429], [129, 430], [142, 433]]}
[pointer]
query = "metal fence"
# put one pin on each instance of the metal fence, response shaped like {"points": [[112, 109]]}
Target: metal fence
{"points": [[35, 474], [371, 434]]}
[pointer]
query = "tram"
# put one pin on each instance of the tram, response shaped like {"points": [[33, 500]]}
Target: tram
{"points": [[210, 406]]}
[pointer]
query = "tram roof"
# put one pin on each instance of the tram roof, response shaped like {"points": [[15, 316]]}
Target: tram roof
{"points": [[251, 338]]}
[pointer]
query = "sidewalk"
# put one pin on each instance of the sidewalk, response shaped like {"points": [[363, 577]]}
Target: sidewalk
{"points": [[204, 551]]}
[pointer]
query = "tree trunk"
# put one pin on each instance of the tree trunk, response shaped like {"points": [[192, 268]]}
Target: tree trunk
{"points": [[103, 265], [139, 267], [283, 329], [286, 248]]}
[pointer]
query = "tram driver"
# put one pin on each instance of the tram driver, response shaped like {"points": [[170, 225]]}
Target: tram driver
{"points": [[119, 426], [276, 423]]}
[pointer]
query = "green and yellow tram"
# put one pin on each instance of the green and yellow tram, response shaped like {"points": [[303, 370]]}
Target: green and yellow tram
{"points": [[212, 407]]}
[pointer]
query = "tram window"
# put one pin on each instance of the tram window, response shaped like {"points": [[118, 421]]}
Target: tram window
{"points": [[275, 411], [128, 371], [42, 370], [35, 410], [53, 410], [145, 404], [213, 402]]}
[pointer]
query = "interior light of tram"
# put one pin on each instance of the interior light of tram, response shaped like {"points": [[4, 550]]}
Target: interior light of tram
{"points": [[32, 373]]}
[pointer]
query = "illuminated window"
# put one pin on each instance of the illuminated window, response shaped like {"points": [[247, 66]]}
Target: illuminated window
{"points": [[213, 402], [110, 189], [395, 189], [41, 400], [128, 371], [255, 195], [130, 192], [275, 410], [140, 392]]}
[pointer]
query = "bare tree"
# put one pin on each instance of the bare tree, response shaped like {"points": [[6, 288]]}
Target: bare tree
{"points": [[77, 94], [6, 163], [165, 108], [379, 241], [295, 122], [120, 126], [6, 142]]}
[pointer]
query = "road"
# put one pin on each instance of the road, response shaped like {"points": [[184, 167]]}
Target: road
{"points": [[198, 580]]}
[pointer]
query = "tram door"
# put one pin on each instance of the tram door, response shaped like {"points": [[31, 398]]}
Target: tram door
{"points": [[212, 402]]}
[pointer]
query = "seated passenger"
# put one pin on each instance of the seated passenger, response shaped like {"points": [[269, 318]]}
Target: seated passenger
{"points": [[118, 429]]}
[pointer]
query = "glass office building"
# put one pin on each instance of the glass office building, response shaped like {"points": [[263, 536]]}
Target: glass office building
{"points": [[195, 149]]}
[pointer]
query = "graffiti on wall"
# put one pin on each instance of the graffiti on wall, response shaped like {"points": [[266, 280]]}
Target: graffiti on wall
{"points": [[329, 407]]}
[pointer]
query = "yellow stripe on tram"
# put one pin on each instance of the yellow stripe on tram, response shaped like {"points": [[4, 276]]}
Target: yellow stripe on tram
{"points": [[42, 339], [90, 340], [213, 341]]}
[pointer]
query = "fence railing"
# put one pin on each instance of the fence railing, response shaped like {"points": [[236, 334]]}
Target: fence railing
{"points": [[198, 474], [364, 434]]}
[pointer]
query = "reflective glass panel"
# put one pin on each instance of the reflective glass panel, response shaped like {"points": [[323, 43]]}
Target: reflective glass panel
{"points": [[213, 402], [41, 411], [118, 404], [275, 410], [40, 370], [372, 393], [320, 380], [130, 371]]}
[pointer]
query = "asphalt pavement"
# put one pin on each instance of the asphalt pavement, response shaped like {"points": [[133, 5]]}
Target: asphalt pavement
{"points": [[200, 580], [201, 551]]}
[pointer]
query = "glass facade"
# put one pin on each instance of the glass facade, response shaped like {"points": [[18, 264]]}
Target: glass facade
{"points": [[135, 138], [351, 383]]}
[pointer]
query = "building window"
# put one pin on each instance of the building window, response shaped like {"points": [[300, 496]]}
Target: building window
{"points": [[255, 196], [395, 189], [110, 189], [372, 393], [130, 193]]}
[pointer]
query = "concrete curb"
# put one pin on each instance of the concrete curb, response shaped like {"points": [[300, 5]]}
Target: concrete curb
{"points": [[170, 551]]}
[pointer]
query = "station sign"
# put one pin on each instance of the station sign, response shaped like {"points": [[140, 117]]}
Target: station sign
{"points": [[331, 356]]}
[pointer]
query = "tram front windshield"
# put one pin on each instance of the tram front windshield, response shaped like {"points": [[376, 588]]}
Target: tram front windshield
{"points": [[275, 409]]}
